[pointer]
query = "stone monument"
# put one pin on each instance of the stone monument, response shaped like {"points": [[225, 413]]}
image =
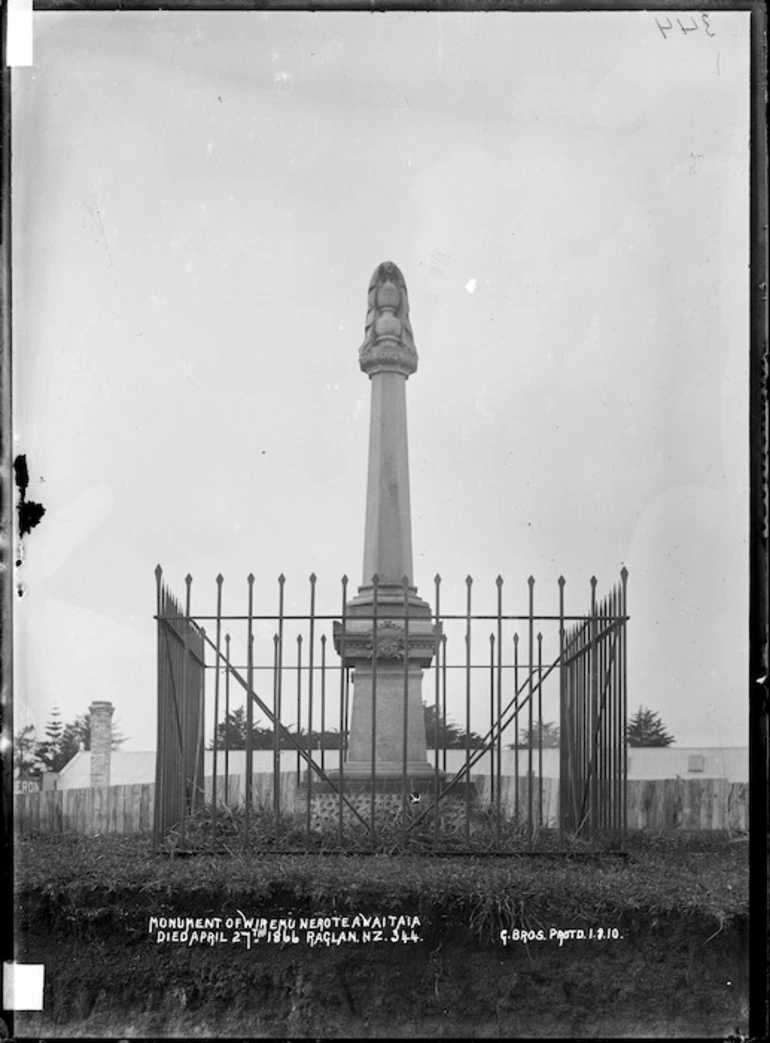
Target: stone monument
{"points": [[388, 658]]}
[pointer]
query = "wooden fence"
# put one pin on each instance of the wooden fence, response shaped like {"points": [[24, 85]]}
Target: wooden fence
{"points": [[663, 804]]}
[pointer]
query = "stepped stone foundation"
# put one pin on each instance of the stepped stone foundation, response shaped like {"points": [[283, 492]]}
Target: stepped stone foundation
{"points": [[388, 804]]}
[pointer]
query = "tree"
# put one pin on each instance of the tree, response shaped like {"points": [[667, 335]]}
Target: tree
{"points": [[262, 738], [451, 738], [26, 755], [646, 729], [550, 732], [50, 747], [234, 731]]}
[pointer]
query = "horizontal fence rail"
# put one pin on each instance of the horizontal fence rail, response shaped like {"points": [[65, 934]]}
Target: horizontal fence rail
{"points": [[653, 805], [358, 691]]}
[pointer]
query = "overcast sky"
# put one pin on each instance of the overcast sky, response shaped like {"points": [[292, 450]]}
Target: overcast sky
{"points": [[199, 201]]}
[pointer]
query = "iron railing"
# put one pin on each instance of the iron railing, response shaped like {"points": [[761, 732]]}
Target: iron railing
{"points": [[491, 763]]}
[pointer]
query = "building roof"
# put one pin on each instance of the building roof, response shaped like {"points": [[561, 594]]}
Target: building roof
{"points": [[644, 762], [126, 769]]}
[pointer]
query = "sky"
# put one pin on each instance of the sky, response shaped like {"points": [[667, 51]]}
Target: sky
{"points": [[199, 201]]}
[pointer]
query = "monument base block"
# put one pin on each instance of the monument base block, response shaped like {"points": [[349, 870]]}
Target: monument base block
{"points": [[387, 721]]}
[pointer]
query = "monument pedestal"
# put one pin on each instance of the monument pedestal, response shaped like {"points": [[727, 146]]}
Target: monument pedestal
{"points": [[396, 701], [387, 695]]}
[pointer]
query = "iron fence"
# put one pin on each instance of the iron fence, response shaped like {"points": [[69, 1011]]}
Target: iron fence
{"points": [[490, 780]]}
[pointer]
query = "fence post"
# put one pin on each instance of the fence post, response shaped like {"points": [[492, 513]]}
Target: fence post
{"points": [[249, 781], [217, 671], [468, 584], [530, 670], [311, 642], [499, 582]]}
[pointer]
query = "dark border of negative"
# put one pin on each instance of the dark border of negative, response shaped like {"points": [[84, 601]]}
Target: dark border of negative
{"points": [[759, 629]]}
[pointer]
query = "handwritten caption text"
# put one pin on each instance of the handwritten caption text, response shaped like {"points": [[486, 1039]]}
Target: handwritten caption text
{"points": [[312, 931]]}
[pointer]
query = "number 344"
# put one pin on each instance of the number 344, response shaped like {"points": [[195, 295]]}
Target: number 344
{"points": [[691, 28]]}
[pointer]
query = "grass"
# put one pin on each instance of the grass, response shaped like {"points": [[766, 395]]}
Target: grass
{"points": [[72, 881], [393, 832]]}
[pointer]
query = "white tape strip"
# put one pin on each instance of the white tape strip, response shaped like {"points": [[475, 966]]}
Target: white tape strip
{"points": [[23, 986], [18, 45]]}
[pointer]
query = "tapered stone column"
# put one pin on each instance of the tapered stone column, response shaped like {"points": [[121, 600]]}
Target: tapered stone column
{"points": [[388, 660]]}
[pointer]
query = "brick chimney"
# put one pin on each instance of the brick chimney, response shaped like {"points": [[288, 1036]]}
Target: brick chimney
{"points": [[101, 742]]}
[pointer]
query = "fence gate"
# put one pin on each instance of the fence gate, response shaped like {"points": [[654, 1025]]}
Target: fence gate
{"points": [[525, 724], [181, 672], [593, 762]]}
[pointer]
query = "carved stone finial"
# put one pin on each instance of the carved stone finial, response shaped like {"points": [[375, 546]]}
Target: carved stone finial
{"points": [[388, 340]]}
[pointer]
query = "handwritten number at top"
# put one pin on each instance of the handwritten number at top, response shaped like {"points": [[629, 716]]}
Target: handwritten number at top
{"points": [[684, 28]]}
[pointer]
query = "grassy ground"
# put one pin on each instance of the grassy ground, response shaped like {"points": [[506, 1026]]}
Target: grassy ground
{"points": [[702, 873], [680, 901]]}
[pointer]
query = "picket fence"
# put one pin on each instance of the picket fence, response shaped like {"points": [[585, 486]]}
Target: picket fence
{"points": [[664, 804]]}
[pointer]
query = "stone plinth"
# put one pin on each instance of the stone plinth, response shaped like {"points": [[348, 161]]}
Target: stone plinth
{"points": [[396, 696], [383, 684]]}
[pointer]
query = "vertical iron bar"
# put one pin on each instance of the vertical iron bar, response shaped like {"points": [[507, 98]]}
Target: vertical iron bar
{"points": [[249, 765], [586, 723], [616, 719], [198, 690], [169, 779], [443, 700], [161, 700], [276, 743], [185, 744], [227, 719], [185, 701], [217, 672], [323, 702], [343, 677], [574, 735], [311, 641], [406, 711], [375, 653], [623, 698], [492, 777], [186, 717], [437, 673], [201, 672], [578, 667], [180, 782], [277, 809], [604, 646], [299, 707], [610, 684], [562, 716], [530, 668], [604, 707], [599, 664], [499, 582], [583, 709], [610, 713], [468, 583], [570, 709], [540, 726], [516, 729], [594, 708], [175, 743]]}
